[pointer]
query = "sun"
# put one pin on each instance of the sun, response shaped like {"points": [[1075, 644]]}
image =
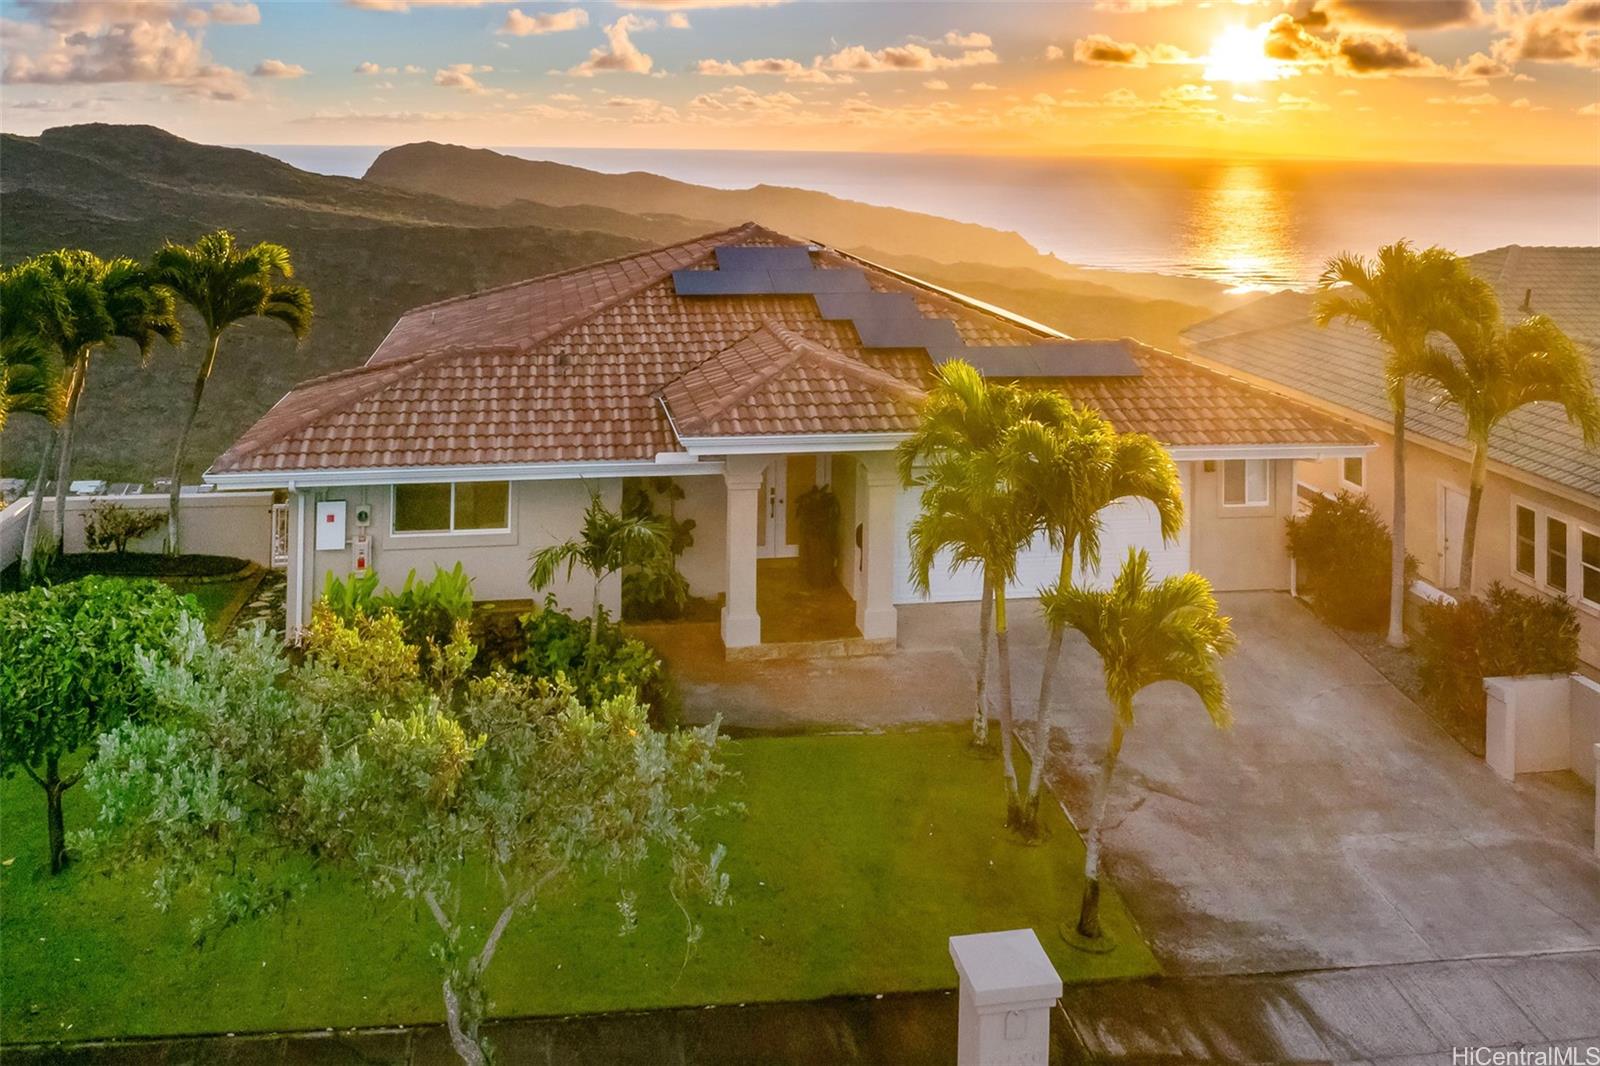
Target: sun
{"points": [[1239, 54]]}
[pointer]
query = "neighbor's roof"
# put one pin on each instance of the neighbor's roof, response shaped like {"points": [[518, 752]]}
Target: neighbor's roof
{"points": [[1273, 340], [584, 365]]}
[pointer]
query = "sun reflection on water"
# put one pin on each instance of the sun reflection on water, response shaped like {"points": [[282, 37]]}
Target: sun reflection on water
{"points": [[1241, 227]]}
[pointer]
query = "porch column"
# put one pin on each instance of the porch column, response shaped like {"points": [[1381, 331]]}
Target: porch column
{"points": [[875, 613], [741, 475]]}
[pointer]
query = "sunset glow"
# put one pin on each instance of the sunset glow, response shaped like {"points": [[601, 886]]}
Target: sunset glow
{"points": [[1238, 55]]}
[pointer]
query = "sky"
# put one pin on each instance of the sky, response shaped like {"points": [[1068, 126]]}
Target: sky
{"points": [[1497, 81]]}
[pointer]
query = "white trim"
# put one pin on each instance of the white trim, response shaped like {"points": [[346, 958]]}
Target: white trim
{"points": [[1568, 525], [1358, 486], [410, 475], [1191, 452], [1516, 571], [793, 443], [401, 534], [1583, 601]]}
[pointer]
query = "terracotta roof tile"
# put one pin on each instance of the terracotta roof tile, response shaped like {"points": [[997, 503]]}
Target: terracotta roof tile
{"points": [[570, 367]]}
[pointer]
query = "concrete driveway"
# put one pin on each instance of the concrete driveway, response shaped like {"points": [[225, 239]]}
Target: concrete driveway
{"points": [[1333, 826]]}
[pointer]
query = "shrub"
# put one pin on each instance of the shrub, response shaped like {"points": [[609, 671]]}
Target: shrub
{"points": [[1505, 633], [428, 610], [1342, 549], [554, 642], [656, 592], [69, 672], [110, 526]]}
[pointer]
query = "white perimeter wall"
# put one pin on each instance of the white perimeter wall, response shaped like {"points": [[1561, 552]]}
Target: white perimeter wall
{"points": [[238, 524]]}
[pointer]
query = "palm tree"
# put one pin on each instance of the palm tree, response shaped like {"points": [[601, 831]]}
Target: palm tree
{"points": [[33, 307], [1402, 297], [969, 509], [1143, 633], [1069, 474], [103, 300], [225, 285], [610, 540], [965, 415], [1493, 371]]}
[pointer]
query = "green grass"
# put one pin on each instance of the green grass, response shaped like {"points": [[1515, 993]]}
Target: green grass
{"points": [[220, 600], [854, 859]]}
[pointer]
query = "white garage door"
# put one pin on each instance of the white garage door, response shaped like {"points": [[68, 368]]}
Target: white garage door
{"points": [[1127, 524]]}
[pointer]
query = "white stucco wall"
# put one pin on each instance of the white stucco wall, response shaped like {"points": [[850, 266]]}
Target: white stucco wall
{"points": [[540, 513], [237, 524], [704, 564]]}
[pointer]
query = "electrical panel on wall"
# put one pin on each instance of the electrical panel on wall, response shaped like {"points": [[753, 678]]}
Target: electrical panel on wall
{"points": [[330, 526]]}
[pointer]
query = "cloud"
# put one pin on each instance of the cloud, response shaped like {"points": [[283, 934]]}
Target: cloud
{"points": [[370, 69], [234, 14], [983, 87], [1476, 100], [1291, 102], [957, 39], [407, 5], [519, 25], [460, 76], [938, 85], [1403, 14], [277, 68], [1478, 65], [1374, 54], [1567, 33], [694, 5], [1099, 50], [859, 60], [677, 21], [620, 55], [1590, 109], [1053, 52], [110, 43], [398, 118], [1126, 7], [788, 69]]}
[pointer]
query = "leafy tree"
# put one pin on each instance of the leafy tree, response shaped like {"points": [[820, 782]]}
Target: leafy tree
{"points": [[110, 526], [1495, 370], [966, 416], [1143, 633], [610, 540], [225, 285], [353, 762], [1401, 297], [1068, 474], [69, 673]]}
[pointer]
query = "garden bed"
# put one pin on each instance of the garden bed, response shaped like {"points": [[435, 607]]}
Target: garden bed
{"points": [[853, 859], [220, 584]]}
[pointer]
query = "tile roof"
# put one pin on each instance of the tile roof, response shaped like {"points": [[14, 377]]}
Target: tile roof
{"points": [[573, 367], [1274, 340], [776, 381]]}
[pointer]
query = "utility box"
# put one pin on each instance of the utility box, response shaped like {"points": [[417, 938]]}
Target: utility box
{"points": [[1008, 987], [330, 526], [360, 552]]}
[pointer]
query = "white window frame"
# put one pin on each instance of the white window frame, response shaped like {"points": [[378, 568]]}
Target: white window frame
{"points": [[1516, 507], [1577, 592], [394, 513], [1265, 501], [1359, 486], [1566, 552]]}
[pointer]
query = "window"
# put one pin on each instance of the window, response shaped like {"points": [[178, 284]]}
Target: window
{"points": [[1526, 548], [1555, 554], [1589, 581], [1355, 471], [1246, 482], [452, 507]]}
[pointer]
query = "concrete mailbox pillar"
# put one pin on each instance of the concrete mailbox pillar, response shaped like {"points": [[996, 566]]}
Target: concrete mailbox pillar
{"points": [[1007, 989]]}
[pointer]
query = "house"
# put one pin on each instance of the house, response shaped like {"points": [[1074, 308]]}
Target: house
{"points": [[1539, 529], [748, 367]]}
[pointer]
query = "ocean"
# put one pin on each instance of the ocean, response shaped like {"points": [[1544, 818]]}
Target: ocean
{"points": [[1251, 224]]}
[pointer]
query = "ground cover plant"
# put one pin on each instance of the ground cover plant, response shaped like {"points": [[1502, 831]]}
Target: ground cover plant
{"points": [[851, 859]]}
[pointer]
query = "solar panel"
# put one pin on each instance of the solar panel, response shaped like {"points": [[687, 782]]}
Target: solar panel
{"points": [[907, 333], [867, 305], [817, 282], [721, 283], [1052, 359], [739, 259]]}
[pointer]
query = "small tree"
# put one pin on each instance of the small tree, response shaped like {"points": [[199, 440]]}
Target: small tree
{"points": [[69, 672], [225, 285], [610, 541], [110, 526], [1143, 633], [413, 790]]}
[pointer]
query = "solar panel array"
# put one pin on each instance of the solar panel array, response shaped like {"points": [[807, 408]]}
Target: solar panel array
{"points": [[893, 319]]}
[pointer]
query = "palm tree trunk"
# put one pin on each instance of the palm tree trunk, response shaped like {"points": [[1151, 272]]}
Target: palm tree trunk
{"points": [[1469, 533], [1397, 554], [30, 530], [1041, 730], [1002, 641], [594, 615], [174, 531], [980, 711], [1089, 911], [58, 520]]}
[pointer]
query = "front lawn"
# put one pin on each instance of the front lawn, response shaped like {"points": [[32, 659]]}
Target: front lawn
{"points": [[221, 585], [853, 861]]}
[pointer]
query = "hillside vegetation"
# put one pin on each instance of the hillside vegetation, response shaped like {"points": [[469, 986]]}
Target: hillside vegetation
{"points": [[432, 221]]}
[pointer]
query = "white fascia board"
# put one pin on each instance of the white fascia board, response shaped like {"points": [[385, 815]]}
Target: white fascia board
{"points": [[411, 475], [793, 443], [1193, 452]]}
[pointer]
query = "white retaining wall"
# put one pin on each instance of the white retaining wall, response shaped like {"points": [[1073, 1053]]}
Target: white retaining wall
{"points": [[237, 524], [1537, 724]]}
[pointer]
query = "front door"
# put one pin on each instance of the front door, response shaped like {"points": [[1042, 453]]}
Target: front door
{"points": [[1452, 528], [783, 482]]}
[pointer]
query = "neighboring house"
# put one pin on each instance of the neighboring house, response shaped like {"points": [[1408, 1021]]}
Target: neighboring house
{"points": [[748, 366], [1540, 524]]}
